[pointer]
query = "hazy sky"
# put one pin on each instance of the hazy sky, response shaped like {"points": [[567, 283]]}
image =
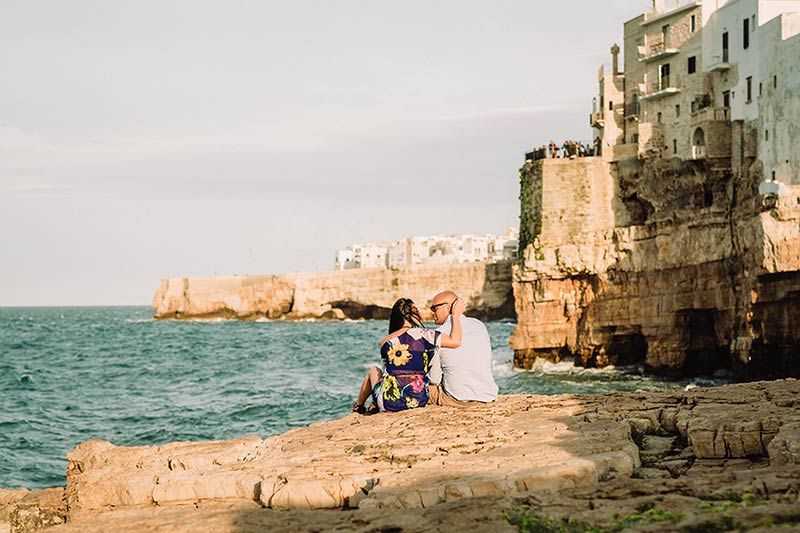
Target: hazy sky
{"points": [[152, 139]]}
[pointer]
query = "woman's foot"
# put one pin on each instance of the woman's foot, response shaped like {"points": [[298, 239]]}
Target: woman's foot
{"points": [[359, 408], [373, 409]]}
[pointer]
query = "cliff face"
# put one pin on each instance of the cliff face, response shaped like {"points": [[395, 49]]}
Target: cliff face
{"points": [[680, 265], [587, 459], [363, 293]]}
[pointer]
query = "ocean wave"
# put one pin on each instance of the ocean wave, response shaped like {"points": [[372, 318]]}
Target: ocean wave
{"points": [[503, 369]]}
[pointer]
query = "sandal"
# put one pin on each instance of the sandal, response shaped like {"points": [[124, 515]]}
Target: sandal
{"points": [[359, 408], [373, 409]]}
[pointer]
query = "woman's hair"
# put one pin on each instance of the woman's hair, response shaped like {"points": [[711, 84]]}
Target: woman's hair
{"points": [[404, 310]]}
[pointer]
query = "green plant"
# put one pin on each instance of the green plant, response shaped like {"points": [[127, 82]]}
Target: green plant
{"points": [[661, 515], [750, 500], [639, 439], [528, 522], [723, 523]]}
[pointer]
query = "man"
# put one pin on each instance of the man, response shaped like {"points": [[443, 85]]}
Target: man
{"points": [[461, 375]]}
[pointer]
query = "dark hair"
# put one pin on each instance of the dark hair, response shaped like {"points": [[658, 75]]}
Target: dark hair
{"points": [[403, 310]]}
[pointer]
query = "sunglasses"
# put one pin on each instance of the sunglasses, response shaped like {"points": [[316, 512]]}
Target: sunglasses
{"points": [[433, 307]]}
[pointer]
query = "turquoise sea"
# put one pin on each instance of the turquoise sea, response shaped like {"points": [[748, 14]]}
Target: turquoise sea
{"points": [[70, 374]]}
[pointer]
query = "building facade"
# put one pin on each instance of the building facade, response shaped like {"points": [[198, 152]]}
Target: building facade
{"points": [[430, 250], [703, 78]]}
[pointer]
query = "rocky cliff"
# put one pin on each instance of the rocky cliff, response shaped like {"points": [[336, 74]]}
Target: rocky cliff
{"points": [[680, 265], [699, 460], [362, 293]]}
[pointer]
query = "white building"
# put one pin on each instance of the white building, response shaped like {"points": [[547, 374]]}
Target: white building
{"points": [[396, 255], [708, 80], [753, 46], [345, 260], [430, 250], [370, 255], [505, 246]]}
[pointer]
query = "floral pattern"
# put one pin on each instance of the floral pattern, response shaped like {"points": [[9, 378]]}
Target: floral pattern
{"points": [[398, 355], [406, 360]]}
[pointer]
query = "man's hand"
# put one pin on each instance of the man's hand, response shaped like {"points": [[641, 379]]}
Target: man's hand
{"points": [[458, 307]]}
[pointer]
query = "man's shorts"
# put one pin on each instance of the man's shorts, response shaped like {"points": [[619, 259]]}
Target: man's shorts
{"points": [[438, 396]]}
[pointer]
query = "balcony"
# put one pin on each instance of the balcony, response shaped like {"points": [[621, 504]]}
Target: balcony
{"points": [[664, 88], [707, 114], [698, 152], [632, 109], [656, 52], [596, 119], [660, 93], [719, 63]]}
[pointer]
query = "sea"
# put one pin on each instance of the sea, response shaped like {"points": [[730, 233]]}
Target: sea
{"points": [[71, 374]]}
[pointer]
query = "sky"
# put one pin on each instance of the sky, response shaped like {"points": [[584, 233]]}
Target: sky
{"points": [[182, 138]]}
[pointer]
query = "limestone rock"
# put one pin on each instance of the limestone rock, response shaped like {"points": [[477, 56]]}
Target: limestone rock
{"points": [[23, 511], [623, 266], [784, 449], [352, 294], [571, 457]]}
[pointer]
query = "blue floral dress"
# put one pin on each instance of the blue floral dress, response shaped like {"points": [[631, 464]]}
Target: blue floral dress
{"points": [[406, 361]]}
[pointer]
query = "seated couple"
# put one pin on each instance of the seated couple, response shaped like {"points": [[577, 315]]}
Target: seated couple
{"points": [[451, 365]]}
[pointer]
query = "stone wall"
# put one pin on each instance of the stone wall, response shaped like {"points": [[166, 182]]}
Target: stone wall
{"points": [[354, 294], [697, 272]]}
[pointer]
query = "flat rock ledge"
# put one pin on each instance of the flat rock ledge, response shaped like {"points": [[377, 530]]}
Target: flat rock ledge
{"points": [[697, 460]]}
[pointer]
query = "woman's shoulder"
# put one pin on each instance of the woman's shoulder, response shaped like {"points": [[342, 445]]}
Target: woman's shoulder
{"points": [[419, 333], [392, 336]]}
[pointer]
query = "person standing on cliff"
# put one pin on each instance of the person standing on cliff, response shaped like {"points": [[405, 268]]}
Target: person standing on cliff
{"points": [[461, 376]]}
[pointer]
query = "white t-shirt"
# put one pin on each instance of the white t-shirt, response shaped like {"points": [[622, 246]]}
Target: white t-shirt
{"points": [[466, 372]]}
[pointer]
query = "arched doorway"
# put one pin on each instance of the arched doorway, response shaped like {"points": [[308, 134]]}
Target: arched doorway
{"points": [[699, 144]]}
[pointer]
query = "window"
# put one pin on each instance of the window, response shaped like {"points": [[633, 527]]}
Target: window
{"points": [[692, 65], [726, 99], [766, 135], [665, 35], [693, 23], [749, 88], [725, 47], [677, 111], [663, 76], [674, 146], [635, 138], [694, 106], [760, 88], [660, 117], [611, 106], [774, 82], [746, 34]]}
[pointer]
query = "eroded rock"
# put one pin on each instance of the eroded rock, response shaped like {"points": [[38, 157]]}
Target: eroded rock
{"points": [[571, 457]]}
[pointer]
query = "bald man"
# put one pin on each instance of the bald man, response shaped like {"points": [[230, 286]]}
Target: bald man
{"points": [[461, 376]]}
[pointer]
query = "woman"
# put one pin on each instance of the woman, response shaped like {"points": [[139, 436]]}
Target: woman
{"points": [[406, 353]]}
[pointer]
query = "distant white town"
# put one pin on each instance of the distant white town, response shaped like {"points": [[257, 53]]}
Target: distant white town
{"points": [[433, 250]]}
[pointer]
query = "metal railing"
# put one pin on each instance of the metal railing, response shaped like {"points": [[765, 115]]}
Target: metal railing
{"points": [[632, 109]]}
